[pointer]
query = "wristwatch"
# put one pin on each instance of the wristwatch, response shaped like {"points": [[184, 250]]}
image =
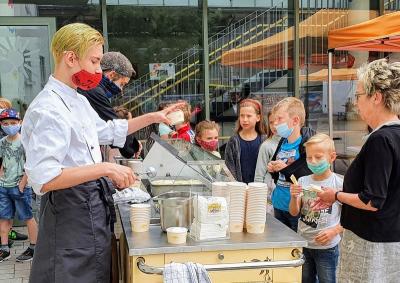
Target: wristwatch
{"points": [[336, 197]]}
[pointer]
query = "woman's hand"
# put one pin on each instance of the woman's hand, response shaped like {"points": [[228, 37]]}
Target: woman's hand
{"points": [[295, 191], [324, 200], [326, 236], [137, 154], [121, 176]]}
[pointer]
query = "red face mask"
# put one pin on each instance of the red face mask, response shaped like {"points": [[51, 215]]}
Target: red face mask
{"points": [[208, 145], [85, 80]]}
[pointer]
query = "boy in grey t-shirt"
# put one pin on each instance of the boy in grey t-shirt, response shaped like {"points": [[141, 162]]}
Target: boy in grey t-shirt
{"points": [[15, 196], [320, 228]]}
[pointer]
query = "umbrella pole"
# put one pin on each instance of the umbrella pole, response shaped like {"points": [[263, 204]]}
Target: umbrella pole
{"points": [[330, 99]]}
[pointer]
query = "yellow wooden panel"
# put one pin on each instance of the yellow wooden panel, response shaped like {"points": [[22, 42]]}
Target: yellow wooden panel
{"points": [[140, 277], [240, 276], [286, 275]]}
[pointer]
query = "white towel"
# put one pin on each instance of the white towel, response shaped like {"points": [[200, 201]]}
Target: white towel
{"points": [[185, 273]]}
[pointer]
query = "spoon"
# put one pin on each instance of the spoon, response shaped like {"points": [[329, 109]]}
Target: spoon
{"points": [[150, 172]]}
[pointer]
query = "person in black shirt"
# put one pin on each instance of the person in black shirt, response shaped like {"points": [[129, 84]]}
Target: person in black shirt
{"points": [[371, 188], [117, 71]]}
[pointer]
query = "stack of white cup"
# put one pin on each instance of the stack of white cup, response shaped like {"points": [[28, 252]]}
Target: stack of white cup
{"points": [[220, 189], [237, 204], [140, 217], [256, 207]]}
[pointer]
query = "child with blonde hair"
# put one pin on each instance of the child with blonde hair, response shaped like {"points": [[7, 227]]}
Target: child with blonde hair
{"points": [[207, 133], [242, 148], [320, 228], [289, 157], [184, 131]]}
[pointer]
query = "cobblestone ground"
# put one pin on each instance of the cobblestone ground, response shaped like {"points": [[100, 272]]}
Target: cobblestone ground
{"points": [[12, 271]]}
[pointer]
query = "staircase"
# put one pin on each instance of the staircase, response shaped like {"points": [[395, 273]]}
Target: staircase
{"points": [[143, 95]]}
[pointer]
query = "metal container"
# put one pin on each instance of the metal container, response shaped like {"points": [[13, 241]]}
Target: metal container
{"points": [[176, 209], [125, 161], [176, 184]]}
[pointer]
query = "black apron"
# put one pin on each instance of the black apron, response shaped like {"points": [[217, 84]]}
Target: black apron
{"points": [[74, 239]]}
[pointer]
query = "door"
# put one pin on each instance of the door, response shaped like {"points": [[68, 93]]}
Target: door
{"points": [[25, 58]]}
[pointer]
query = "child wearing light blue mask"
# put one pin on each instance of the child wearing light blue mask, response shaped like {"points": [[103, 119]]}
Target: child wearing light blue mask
{"points": [[320, 228], [15, 195], [289, 157]]}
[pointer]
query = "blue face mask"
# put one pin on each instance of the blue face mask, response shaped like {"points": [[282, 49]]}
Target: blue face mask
{"points": [[319, 168], [11, 130], [283, 130]]}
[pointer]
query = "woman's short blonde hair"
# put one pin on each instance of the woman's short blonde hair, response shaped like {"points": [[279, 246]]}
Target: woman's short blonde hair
{"points": [[383, 77], [5, 103], [323, 139], [75, 37]]}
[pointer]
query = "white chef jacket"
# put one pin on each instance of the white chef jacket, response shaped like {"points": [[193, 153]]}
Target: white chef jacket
{"points": [[61, 130]]}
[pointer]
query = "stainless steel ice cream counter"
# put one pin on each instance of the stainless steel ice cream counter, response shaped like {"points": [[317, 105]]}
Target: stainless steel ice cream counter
{"points": [[274, 256]]}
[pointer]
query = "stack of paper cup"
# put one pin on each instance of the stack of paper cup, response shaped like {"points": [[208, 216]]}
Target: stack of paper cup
{"points": [[220, 189], [140, 217], [237, 202], [256, 207]]}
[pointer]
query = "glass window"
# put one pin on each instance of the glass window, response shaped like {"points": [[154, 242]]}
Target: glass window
{"points": [[251, 56], [163, 45], [315, 23]]}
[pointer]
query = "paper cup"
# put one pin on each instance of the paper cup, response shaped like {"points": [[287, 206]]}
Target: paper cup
{"points": [[176, 235], [140, 226], [140, 217], [255, 228], [176, 117], [236, 227]]}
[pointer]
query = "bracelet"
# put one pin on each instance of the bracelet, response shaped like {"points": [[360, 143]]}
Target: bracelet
{"points": [[336, 196]]}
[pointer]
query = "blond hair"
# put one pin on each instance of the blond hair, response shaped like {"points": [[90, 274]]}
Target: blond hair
{"points": [[381, 76], [293, 106], [186, 109], [76, 37], [323, 139], [5, 103], [205, 125]]}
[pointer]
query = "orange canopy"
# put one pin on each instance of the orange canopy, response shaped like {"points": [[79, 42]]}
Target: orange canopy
{"points": [[337, 75], [379, 34], [315, 26]]}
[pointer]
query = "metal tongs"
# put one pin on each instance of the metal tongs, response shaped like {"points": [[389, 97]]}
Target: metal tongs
{"points": [[150, 172]]}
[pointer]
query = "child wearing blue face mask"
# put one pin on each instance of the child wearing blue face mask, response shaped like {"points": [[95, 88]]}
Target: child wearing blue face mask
{"points": [[15, 196], [320, 228], [289, 157]]}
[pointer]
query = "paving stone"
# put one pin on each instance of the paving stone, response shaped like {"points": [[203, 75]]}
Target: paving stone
{"points": [[7, 276], [22, 273], [22, 265], [7, 271], [14, 280]]}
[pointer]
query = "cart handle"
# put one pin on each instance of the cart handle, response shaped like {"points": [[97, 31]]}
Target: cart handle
{"points": [[299, 261]]}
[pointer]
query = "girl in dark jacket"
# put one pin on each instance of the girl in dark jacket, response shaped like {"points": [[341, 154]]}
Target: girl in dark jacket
{"points": [[242, 148]]}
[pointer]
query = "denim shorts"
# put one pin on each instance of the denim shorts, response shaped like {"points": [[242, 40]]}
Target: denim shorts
{"points": [[13, 201]]}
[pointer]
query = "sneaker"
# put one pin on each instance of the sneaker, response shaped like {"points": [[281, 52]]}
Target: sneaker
{"points": [[4, 255], [27, 255], [16, 236]]}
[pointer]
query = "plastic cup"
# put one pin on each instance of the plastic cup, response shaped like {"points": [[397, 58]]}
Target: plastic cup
{"points": [[176, 117], [176, 235]]}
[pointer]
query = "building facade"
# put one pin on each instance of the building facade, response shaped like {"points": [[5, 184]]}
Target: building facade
{"points": [[265, 49]]}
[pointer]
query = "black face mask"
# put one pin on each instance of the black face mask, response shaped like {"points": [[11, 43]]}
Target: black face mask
{"points": [[111, 89]]}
